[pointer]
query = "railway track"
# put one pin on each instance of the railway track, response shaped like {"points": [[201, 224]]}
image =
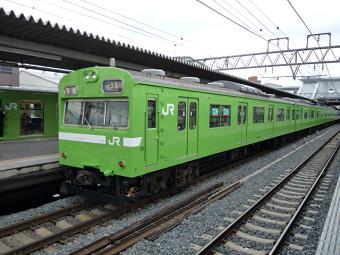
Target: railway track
{"points": [[42, 231], [152, 227], [37, 233], [264, 227]]}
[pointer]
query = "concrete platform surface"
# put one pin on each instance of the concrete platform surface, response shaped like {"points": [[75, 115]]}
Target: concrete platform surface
{"points": [[28, 148], [329, 242]]}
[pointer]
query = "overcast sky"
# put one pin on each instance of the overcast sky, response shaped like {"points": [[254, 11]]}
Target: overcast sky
{"points": [[188, 28]]}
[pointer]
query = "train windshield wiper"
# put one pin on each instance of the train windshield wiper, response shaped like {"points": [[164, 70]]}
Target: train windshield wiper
{"points": [[88, 123]]}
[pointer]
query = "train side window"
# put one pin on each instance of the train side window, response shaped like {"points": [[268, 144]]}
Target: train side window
{"points": [[193, 114], [244, 114], [225, 115], [306, 115], [239, 112], [181, 116], [258, 114], [297, 114], [312, 115], [152, 113], [280, 114], [293, 114], [317, 114], [214, 116]]}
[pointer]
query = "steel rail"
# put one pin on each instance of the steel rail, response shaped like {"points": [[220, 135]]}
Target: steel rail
{"points": [[153, 226], [60, 235], [215, 242], [280, 241], [13, 228]]}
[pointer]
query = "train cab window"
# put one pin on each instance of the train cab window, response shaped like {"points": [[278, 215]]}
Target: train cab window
{"points": [[117, 114], [94, 113], [239, 112], [214, 120], [151, 113], [258, 115], [280, 114], [181, 116], [192, 115], [73, 113], [244, 114], [225, 115]]}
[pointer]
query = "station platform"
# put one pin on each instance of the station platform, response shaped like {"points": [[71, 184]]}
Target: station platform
{"points": [[329, 242], [29, 162]]}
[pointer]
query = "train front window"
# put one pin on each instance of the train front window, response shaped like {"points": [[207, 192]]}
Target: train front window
{"points": [[73, 113], [94, 113], [117, 114]]}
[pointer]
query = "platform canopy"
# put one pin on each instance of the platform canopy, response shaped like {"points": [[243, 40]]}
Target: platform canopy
{"points": [[26, 40]]}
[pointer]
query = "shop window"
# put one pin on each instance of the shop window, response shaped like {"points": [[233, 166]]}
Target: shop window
{"points": [[258, 114], [181, 116], [225, 115], [214, 116]]}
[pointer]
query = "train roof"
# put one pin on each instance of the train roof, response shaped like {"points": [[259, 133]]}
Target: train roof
{"points": [[213, 88]]}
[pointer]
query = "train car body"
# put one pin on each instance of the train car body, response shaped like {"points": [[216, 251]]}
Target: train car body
{"points": [[119, 130], [27, 114]]}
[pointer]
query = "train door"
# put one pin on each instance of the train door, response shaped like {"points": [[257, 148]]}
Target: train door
{"points": [[152, 130], [242, 119], [271, 119], [2, 119], [193, 127], [182, 131], [288, 118]]}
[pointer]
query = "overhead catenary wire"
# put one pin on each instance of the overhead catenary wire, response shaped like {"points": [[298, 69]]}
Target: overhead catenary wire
{"points": [[304, 23], [66, 18], [231, 20], [235, 17], [243, 27], [122, 22], [246, 9], [134, 20]]}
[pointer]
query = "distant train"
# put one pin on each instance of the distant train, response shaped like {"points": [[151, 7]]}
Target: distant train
{"points": [[126, 133]]}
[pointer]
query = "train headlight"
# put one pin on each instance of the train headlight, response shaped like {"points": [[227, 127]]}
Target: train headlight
{"points": [[70, 91], [90, 76], [87, 76]]}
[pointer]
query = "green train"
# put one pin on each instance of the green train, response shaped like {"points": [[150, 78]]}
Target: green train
{"points": [[128, 134], [27, 114]]}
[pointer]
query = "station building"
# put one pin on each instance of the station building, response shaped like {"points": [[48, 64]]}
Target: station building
{"points": [[28, 105]]}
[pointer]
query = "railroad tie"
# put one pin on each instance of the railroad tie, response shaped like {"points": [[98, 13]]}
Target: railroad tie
{"points": [[254, 238], [236, 247]]}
